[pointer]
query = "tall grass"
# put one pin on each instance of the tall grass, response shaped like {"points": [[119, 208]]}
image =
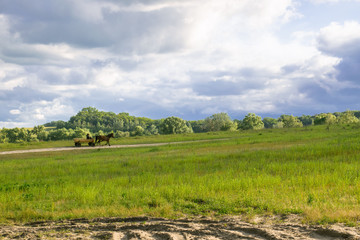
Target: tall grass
{"points": [[309, 171]]}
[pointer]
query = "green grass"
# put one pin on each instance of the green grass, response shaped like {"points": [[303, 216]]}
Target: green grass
{"points": [[308, 171], [128, 140]]}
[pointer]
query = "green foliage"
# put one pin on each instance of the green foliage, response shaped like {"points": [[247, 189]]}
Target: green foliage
{"points": [[121, 134], [95, 122], [325, 118], [251, 121], [139, 131], [219, 122], [347, 117], [269, 122], [60, 134], [307, 120], [197, 126], [80, 133], [174, 125], [289, 121]]}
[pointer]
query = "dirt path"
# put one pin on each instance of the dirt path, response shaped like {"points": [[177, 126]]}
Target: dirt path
{"points": [[103, 147], [158, 228]]}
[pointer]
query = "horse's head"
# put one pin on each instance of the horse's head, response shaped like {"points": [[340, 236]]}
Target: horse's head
{"points": [[111, 135]]}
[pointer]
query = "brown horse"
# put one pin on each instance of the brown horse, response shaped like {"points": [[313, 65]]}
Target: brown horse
{"points": [[106, 138]]}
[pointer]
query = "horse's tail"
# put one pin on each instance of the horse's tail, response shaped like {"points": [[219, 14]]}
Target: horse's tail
{"points": [[97, 138]]}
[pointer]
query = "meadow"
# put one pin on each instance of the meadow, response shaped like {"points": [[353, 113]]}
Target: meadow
{"points": [[310, 171]]}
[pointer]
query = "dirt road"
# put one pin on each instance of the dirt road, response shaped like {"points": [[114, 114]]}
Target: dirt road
{"points": [[102, 147], [158, 228]]}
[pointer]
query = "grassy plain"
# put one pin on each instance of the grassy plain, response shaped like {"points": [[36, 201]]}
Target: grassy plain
{"points": [[310, 171]]}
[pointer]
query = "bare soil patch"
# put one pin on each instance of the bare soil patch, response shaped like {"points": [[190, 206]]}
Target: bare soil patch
{"points": [[159, 228]]}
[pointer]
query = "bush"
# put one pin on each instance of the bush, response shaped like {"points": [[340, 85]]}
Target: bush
{"points": [[174, 125]]}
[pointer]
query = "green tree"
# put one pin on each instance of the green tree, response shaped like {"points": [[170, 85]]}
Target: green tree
{"points": [[3, 138], [152, 130], [12, 134], [307, 120], [197, 126], [290, 121], [119, 134], [347, 117], [39, 132], [219, 122], [269, 122], [324, 118], [174, 125], [252, 121], [59, 134], [139, 131], [80, 133]]}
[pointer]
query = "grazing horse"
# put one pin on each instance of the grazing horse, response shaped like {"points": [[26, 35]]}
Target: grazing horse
{"points": [[106, 138]]}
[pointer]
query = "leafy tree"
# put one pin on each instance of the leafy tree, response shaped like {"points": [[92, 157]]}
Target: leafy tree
{"points": [[324, 118], [119, 134], [290, 121], [96, 120], [279, 124], [356, 113], [100, 132], [238, 123], [197, 126], [174, 125], [43, 136], [3, 138], [139, 131], [80, 133], [152, 130], [39, 133], [347, 117], [59, 134], [252, 121], [269, 122], [219, 122], [12, 134], [60, 124], [306, 120]]}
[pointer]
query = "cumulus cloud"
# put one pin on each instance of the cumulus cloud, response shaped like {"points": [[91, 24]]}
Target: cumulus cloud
{"points": [[340, 39], [333, 1], [343, 41], [159, 58]]}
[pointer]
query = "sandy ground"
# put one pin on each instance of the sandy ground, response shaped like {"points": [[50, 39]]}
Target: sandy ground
{"points": [[159, 228]]}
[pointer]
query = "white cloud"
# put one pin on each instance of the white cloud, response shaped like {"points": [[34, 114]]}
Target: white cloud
{"points": [[15, 111], [38, 112], [332, 1], [163, 56], [339, 38]]}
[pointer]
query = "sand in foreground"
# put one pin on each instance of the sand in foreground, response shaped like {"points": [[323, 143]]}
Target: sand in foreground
{"points": [[159, 228]]}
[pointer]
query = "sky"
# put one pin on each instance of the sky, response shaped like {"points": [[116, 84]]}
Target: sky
{"points": [[183, 58]]}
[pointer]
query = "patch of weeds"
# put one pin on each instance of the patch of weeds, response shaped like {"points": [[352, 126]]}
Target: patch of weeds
{"points": [[28, 196], [199, 201], [154, 204], [310, 199], [156, 149]]}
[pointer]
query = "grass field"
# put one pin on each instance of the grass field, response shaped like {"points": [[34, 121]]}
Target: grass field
{"points": [[311, 171]]}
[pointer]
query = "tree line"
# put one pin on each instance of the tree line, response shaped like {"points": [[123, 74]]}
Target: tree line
{"points": [[90, 120]]}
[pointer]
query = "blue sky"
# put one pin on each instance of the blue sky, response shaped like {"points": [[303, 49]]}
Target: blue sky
{"points": [[181, 58]]}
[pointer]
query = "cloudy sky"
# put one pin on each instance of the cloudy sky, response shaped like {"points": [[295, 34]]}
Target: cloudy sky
{"points": [[184, 58]]}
